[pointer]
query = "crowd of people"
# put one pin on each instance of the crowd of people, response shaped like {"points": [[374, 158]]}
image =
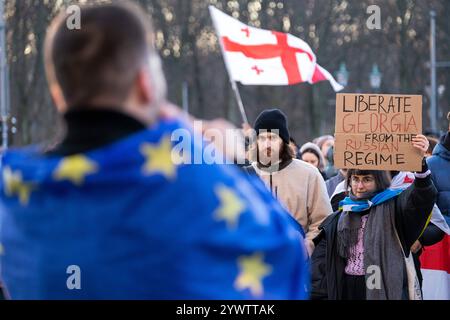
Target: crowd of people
{"points": [[109, 199]]}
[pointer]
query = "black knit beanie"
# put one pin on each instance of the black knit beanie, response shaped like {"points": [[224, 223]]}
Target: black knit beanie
{"points": [[273, 119]]}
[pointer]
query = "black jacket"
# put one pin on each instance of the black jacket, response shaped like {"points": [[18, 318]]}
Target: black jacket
{"points": [[90, 128], [412, 209]]}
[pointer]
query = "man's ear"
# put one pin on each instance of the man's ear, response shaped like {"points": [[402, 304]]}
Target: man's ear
{"points": [[58, 98], [144, 87], [448, 118]]}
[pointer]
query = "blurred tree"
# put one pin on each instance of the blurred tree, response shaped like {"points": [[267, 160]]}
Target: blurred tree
{"points": [[335, 29]]}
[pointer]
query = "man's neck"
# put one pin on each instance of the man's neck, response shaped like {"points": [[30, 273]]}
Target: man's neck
{"points": [[92, 128], [280, 165]]}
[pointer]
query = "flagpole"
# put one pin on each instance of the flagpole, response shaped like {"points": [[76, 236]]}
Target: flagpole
{"points": [[233, 83], [185, 98], [239, 100], [4, 111]]}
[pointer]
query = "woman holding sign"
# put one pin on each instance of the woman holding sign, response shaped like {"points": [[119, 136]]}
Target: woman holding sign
{"points": [[363, 249]]}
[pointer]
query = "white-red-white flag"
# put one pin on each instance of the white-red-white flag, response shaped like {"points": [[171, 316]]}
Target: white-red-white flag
{"points": [[435, 265], [435, 259], [256, 56]]}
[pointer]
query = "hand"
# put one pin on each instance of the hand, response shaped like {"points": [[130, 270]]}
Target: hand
{"points": [[420, 142], [171, 111], [246, 129], [230, 142], [416, 247]]}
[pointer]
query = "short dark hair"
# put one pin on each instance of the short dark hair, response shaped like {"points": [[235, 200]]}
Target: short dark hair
{"points": [[102, 58], [382, 178]]}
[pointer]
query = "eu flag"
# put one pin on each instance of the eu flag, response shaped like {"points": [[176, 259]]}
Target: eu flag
{"points": [[125, 221]]}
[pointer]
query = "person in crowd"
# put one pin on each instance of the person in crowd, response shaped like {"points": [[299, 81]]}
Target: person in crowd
{"points": [[333, 182], [435, 229], [311, 154], [324, 143], [296, 184], [373, 232], [330, 169], [111, 212], [439, 164]]}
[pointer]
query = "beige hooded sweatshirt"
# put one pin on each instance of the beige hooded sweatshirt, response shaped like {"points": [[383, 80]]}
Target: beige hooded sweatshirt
{"points": [[301, 190]]}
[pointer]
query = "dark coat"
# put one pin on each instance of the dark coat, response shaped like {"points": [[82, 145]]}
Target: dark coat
{"points": [[439, 165], [412, 209]]}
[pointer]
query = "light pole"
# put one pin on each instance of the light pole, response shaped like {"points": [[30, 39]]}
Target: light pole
{"points": [[433, 100], [375, 78], [4, 110], [342, 74], [433, 69]]}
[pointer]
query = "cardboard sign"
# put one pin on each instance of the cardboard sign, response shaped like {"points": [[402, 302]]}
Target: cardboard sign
{"points": [[374, 132]]}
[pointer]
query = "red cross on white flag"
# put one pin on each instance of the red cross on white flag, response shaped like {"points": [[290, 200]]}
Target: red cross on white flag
{"points": [[261, 57]]}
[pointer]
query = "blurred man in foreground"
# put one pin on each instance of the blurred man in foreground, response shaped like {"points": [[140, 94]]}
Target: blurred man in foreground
{"points": [[111, 212]]}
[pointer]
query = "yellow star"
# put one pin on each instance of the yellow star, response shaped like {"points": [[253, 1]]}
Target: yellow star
{"points": [[159, 158], [2, 250], [14, 185], [231, 206], [75, 168], [252, 271]]}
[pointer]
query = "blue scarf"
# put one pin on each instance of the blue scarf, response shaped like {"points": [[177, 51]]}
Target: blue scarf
{"points": [[348, 204]]}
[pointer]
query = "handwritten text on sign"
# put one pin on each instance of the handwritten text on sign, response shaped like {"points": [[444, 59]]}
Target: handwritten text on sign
{"points": [[374, 132]]}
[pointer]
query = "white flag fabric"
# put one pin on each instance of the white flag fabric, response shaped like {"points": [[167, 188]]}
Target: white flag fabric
{"points": [[256, 56], [435, 259], [402, 181]]}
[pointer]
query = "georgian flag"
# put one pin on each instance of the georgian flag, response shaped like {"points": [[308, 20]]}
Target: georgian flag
{"points": [[256, 56], [435, 259]]}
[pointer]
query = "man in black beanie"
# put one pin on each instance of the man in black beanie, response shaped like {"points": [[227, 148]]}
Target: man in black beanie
{"points": [[295, 183], [272, 123]]}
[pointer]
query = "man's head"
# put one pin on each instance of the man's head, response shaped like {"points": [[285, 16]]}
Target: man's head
{"points": [[363, 182], [272, 137], [109, 62]]}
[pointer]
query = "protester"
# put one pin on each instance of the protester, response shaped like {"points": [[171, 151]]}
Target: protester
{"points": [[324, 143], [435, 229], [434, 259], [432, 234], [375, 226], [110, 212], [440, 172], [296, 184], [311, 154], [330, 169], [333, 182]]}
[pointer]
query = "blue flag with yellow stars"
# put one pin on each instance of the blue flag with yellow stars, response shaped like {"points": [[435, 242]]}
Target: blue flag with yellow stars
{"points": [[127, 221]]}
